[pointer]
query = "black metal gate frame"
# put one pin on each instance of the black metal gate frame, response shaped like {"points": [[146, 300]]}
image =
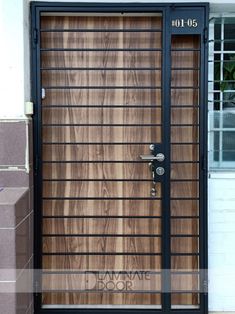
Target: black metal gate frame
{"points": [[166, 9]]}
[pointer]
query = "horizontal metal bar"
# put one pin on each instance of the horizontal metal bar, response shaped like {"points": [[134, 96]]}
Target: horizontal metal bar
{"points": [[185, 49], [184, 254], [99, 125], [184, 69], [184, 198], [119, 272], [102, 106], [184, 180], [219, 101], [93, 161], [112, 125], [117, 106], [220, 61], [184, 143], [97, 180], [223, 130], [101, 198], [221, 81], [185, 106], [101, 30], [114, 180], [185, 87], [100, 49], [184, 272], [99, 217], [185, 217], [113, 162], [98, 69], [184, 235], [99, 272], [96, 291], [96, 143], [100, 253], [102, 87], [185, 124], [103, 235], [222, 40]]}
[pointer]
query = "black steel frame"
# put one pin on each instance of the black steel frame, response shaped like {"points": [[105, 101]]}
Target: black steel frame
{"points": [[36, 9]]}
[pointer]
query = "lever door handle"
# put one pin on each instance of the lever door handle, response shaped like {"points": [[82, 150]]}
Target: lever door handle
{"points": [[159, 157]]}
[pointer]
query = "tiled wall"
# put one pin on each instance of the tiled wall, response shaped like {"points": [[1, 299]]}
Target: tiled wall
{"points": [[16, 217]]}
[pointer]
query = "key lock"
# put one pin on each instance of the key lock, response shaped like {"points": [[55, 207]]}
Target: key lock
{"points": [[156, 170]]}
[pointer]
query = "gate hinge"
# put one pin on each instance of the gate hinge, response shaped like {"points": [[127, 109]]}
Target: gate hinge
{"points": [[36, 164], [35, 36], [205, 286], [204, 163], [36, 291], [205, 35]]}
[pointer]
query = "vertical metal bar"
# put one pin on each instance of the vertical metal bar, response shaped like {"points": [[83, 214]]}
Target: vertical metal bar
{"points": [[36, 88], [166, 103], [211, 99], [221, 95], [203, 227]]}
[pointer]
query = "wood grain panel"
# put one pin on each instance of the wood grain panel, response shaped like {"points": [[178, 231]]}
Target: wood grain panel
{"points": [[184, 282], [97, 171], [102, 262], [184, 189], [94, 152], [100, 40], [99, 298], [184, 97], [97, 59], [97, 134], [184, 226], [184, 207], [101, 115], [95, 282], [101, 189], [183, 171], [184, 115], [185, 59], [102, 226], [184, 245], [184, 152], [103, 97], [185, 299], [102, 244], [101, 78], [97, 22], [103, 207], [184, 78], [184, 134], [190, 263], [98, 152]]}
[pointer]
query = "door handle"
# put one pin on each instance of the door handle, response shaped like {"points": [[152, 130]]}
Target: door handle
{"points": [[159, 157]]}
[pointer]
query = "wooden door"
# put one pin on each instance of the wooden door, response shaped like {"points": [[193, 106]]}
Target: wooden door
{"points": [[102, 110], [103, 208]]}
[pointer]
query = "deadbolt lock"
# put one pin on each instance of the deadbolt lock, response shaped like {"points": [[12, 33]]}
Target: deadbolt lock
{"points": [[160, 171]]}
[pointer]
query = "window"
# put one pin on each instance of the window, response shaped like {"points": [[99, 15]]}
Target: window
{"points": [[222, 92]]}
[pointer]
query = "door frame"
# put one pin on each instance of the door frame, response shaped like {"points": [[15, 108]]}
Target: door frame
{"points": [[166, 9]]}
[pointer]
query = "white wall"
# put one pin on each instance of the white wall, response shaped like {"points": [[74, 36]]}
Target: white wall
{"points": [[12, 65], [15, 90], [222, 241]]}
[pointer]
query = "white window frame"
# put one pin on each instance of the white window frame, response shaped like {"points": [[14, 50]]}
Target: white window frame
{"points": [[220, 164]]}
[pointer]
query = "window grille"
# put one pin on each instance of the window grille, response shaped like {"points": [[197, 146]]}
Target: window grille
{"points": [[222, 92]]}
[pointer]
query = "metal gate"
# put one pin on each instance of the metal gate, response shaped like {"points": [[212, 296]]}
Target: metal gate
{"points": [[120, 157]]}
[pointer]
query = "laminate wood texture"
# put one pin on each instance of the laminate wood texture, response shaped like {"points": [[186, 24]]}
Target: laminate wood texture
{"points": [[101, 111], [185, 166]]}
